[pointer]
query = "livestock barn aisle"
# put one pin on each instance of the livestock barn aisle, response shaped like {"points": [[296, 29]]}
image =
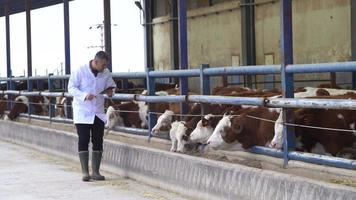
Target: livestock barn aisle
{"points": [[31, 175]]}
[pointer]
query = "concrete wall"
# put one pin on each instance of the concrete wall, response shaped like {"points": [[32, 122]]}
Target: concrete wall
{"points": [[321, 33], [196, 177]]}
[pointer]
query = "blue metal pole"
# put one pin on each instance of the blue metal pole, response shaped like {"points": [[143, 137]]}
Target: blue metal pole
{"points": [[183, 50], [107, 30], [286, 42], [353, 39], [51, 100], [29, 89], [66, 36], [151, 92], [307, 157], [125, 84], [204, 86], [8, 52], [28, 33]]}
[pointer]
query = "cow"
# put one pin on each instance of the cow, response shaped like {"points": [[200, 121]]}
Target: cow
{"points": [[179, 130], [307, 92], [113, 119], [205, 127], [40, 105], [61, 106], [324, 141], [3, 104], [241, 131]]}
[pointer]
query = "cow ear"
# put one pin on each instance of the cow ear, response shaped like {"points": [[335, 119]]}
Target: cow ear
{"points": [[238, 128], [306, 119], [204, 121]]}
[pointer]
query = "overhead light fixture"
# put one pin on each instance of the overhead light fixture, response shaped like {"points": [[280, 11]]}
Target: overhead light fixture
{"points": [[138, 4]]}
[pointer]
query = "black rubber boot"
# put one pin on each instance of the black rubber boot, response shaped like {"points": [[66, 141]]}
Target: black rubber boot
{"points": [[84, 160], [95, 164]]}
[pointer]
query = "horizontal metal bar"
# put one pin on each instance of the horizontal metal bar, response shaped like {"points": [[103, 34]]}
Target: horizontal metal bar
{"points": [[15, 92], [345, 104], [129, 75], [61, 77], [18, 78], [38, 78], [51, 94], [307, 157], [122, 97], [260, 69], [322, 67], [161, 99], [136, 131], [46, 118], [24, 93], [226, 100], [175, 73]]}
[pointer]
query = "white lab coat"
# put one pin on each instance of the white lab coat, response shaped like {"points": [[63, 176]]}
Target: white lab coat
{"points": [[83, 82]]}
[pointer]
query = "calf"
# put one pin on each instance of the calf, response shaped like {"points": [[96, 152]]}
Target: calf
{"points": [[113, 118], [179, 130]]}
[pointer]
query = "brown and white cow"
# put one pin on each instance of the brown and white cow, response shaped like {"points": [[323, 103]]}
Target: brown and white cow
{"points": [[3, 104], [40, 105], [307, 92], [234, 132], [325, 141]]}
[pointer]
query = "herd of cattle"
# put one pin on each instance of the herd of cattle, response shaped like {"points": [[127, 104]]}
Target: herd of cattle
{"points": [[227, 127]]}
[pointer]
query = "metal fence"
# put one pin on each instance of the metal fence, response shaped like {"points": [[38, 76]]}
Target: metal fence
{"points": [[204, 73]]}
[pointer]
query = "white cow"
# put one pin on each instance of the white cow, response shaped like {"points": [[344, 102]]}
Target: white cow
{"points": [[164, 122], [113, 118], [203, 130], [216, 141]]}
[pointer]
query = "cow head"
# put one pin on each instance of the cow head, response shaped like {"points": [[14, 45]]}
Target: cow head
{"points": [[182, 135], [21, 105], [164, 122], [203, 130], [216, 140], [113, 118]]}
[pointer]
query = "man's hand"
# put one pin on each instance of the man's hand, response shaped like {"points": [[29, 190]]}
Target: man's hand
{"points": [[109, 93], [90, 97]]}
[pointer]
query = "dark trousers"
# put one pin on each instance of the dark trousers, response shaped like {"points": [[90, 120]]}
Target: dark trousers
{"points": [[97, 133]]}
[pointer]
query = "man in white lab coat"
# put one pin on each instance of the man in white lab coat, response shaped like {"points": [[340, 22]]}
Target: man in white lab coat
{"points": [[87, 84]]}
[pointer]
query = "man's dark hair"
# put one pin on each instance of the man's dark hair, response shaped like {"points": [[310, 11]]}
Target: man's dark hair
{"points": [[102, 55]]}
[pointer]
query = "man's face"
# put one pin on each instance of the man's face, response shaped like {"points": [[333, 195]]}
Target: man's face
{"points": [[101, 64]]}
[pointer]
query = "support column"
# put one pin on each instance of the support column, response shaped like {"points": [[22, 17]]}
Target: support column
{"points": [[174, 37], [107, 31], [353, 40], [66, 36], [183, 50], [287, 79], [148, 42], [248, 37], [28, 33]]}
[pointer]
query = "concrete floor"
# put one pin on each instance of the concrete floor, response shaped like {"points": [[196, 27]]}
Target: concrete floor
{"points": [[31, 175]]}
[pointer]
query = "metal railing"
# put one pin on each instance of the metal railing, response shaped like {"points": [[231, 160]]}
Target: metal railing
{"points": [[204, 73]]}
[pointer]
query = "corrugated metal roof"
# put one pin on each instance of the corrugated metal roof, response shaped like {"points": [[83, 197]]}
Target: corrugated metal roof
{"points": [[17, 6]]}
